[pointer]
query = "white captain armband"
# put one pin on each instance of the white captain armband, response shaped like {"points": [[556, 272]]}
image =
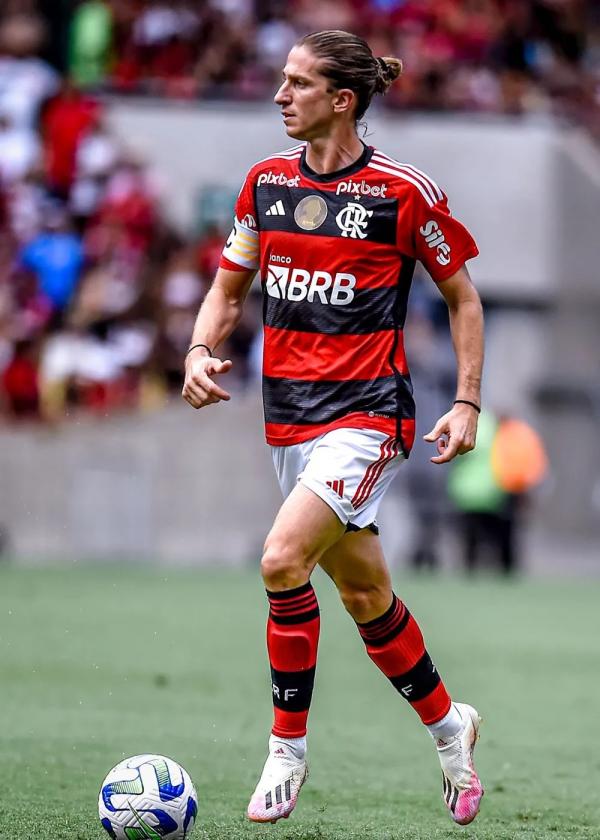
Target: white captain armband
{"points": [[242, 246]]}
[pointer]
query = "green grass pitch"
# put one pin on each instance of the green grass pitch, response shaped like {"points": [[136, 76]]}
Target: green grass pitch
{"points": [[100, 663]]}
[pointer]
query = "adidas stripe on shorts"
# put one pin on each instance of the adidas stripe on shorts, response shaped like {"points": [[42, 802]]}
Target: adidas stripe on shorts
{"points": [[350, 469]]}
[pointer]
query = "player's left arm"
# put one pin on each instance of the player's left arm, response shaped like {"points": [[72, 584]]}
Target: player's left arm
{"points": [[456, 431]]}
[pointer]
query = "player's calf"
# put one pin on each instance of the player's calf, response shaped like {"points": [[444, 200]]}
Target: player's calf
{"points": [[395, 643]]}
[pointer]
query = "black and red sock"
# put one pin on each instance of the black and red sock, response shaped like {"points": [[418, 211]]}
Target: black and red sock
{"points": [[292, 642], [395, 644]]}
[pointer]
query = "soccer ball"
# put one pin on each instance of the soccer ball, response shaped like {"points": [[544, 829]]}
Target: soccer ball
{"points": [[148, 796]]}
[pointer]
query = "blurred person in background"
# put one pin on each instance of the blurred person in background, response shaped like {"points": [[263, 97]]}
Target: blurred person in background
{"points": [[90, 43], [490, 488], [183, 289], [26, 201], [20, 383], [56, 257], [26, 80], [67, 118], [336, 227], [20, 151], [209, 248], [165, 35], [96, 159]]}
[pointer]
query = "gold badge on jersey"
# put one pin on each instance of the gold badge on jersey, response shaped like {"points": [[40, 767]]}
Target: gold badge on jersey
{"points": [[311, 212]]}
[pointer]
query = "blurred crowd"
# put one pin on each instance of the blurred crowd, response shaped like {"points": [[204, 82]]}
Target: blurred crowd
{"points": [[97, 293], [508, 56]]}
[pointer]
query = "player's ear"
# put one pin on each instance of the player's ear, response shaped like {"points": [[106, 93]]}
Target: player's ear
{"points": [[344, 100]]}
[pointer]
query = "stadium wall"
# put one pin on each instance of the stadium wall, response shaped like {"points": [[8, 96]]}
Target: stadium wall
{"points": [[177, 485]]}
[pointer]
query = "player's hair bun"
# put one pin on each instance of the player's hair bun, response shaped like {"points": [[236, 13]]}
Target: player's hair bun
{"points": [[388, 70]]}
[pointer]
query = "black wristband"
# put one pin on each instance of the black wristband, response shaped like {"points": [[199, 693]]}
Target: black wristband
{"points": [[472, 404], [206, 347]]}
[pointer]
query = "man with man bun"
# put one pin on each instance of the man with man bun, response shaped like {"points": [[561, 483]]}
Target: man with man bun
{"points": [[335, 228]]}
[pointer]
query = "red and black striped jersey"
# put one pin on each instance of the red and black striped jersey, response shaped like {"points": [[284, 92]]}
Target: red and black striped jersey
{"points": [[336, 254]]}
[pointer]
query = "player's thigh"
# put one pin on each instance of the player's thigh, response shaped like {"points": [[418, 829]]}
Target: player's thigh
{"points": [[304, 529], [358, 568]]}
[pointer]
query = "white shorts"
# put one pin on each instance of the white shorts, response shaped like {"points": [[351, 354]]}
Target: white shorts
{"points": [[350, 469]]}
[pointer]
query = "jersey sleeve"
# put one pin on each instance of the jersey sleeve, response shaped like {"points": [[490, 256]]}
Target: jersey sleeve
{"points": [[241, 251], [428, 232]]}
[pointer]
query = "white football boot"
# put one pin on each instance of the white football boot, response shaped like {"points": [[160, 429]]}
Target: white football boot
{"points": [[462, 789], [277, 791]]}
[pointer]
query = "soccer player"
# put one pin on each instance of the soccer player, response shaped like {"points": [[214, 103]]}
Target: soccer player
{"points": [[335, 228]]}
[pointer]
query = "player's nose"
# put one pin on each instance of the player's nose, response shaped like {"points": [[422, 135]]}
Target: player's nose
{"points": [[282, 97]]}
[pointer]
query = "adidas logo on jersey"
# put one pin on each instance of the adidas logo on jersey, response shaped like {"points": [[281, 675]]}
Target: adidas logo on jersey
{"points": [[276, 209], [298, 284]]}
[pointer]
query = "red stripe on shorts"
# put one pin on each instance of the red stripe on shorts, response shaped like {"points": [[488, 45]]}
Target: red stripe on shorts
{"points": [[388, 451]]}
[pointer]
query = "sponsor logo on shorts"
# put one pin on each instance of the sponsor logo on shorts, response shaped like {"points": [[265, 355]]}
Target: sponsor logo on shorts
{"points": [[277, 178], [298, 284], [434, 238], [358, 188]]}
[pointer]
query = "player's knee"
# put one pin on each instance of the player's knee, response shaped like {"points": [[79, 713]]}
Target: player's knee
{"points": [[365, 603], [282, 567]]}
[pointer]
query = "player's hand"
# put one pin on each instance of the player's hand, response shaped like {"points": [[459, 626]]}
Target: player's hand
{"points": [[454, 433], [199, 388]]}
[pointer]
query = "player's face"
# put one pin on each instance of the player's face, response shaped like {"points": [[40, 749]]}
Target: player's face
{"points": [[306, 97]]}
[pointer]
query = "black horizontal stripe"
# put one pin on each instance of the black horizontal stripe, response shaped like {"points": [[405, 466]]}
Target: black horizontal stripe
{"points": [[292, 690], [380, 226], [286, 594], [419, 682], [299, 402], [297, 618], [393, 632], [367, 625], [371, 310]]}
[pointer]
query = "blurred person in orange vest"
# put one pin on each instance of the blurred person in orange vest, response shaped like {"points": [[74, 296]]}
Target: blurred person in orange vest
{"points": [[489, 487]]}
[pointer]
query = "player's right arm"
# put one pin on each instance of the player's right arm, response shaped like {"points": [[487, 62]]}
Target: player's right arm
{"points": [[218, 317]]}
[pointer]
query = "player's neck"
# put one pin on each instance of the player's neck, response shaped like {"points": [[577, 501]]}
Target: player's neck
{"points": [[329, 154]]}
